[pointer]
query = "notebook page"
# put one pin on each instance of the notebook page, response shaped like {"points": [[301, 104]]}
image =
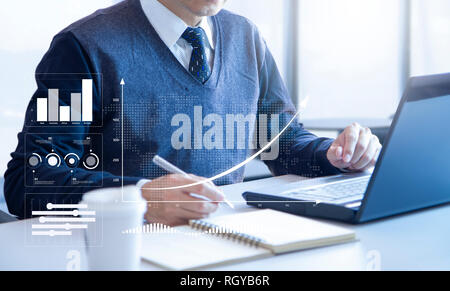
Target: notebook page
{"points": [[283, 232], [184, 251]]}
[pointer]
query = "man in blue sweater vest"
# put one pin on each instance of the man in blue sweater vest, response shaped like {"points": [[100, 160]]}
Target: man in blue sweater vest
{"points": [[202, 90]]}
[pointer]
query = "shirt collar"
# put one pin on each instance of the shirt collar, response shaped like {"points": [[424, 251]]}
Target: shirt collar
{"points": [[169, 26]]}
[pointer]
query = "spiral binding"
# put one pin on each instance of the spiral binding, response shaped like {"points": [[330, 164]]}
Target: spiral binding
{"points": [[225, 233]]}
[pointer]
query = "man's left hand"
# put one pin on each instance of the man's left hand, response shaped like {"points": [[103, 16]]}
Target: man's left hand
{"points": [[356, 149]]}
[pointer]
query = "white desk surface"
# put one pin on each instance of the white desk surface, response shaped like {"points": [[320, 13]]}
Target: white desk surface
{"points": [[417, 241]]}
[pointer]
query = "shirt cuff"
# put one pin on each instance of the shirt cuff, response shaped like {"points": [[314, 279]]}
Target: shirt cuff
{"points": [[142, 182], [326, 168]]}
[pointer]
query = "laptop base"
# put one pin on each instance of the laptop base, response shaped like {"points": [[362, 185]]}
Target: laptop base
{"points": [[303, 208]]}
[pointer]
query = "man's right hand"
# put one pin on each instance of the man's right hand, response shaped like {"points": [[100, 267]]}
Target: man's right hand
{"points": [[177, 207]]}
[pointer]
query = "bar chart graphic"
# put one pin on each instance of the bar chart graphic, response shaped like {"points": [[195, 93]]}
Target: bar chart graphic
{"points": [[49, 110], [67, 99]]}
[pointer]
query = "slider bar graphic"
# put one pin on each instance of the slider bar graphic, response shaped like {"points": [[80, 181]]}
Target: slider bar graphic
{"points": [[61, 221], [51, 233], [65, 213], [44, 219], [66, 206], [66, 226]]}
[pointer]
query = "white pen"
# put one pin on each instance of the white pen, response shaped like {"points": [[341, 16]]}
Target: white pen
{"points": [[157, 160]]}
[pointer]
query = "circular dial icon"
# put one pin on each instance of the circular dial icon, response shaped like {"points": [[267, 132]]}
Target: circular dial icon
{"points": [[34, 160], [91, 161], [53, 160], [72, 160]]}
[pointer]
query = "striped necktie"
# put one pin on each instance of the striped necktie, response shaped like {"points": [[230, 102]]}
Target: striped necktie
{"points": [[198, 65]]}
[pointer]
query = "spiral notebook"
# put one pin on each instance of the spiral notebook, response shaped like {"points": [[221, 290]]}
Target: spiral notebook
{"points": [[237, 238]]}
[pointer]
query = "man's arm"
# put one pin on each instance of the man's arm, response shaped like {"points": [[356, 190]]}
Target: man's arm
{"points": [[65, 56], [301, 152]]}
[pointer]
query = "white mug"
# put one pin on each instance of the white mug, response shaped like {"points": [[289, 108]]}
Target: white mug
{"points": [[107, 245]]}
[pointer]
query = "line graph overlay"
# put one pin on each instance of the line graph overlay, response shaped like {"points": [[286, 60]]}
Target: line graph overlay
{"points": [[238, 166], [302, 105]]}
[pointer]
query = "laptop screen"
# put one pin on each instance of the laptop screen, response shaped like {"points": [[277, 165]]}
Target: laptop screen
{"points": [[414, 169]]}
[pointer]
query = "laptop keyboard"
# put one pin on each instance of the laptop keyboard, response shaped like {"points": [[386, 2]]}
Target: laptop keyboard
{"points": [[336, 192]]}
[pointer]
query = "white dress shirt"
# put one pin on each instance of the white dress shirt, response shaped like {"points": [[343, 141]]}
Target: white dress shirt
{"points": [[170, 27]]}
